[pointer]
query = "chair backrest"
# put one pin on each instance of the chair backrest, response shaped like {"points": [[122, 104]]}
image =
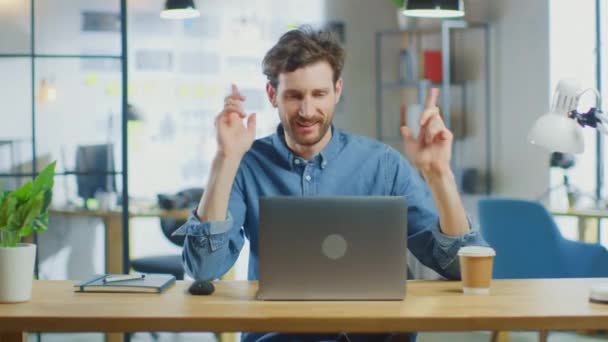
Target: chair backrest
{"points": [[187, 198], [525, 237]]}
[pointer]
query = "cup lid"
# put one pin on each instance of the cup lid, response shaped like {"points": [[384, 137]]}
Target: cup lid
{"points": [[599, 292], [477, 251]]}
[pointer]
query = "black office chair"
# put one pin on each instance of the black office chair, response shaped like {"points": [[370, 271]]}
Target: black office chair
{"points": [[170, 264]]}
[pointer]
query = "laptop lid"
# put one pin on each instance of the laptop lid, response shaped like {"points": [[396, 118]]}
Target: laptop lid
{"points": [[332, 248]]}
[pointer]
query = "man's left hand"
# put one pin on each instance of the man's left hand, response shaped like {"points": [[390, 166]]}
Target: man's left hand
{"points": [[432, 149]]}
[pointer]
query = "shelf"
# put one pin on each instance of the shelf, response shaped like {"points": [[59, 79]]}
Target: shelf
{"points": [[453, 92], [406, 84]]}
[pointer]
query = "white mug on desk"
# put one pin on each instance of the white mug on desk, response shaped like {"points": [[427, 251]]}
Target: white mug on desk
{"points": [[106, 200]]}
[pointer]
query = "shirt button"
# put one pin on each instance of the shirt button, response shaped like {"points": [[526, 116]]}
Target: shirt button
{"points": [[297, 161], [307, 177]]}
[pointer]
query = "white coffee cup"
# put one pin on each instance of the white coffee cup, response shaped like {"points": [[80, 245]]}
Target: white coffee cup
{"points": [[106, 200]]}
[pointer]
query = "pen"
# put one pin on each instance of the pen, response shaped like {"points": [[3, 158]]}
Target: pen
{"points": [[110, 279]]}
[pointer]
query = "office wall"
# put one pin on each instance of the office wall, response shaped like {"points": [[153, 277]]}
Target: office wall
{"points": [[362, 19], [520, 47]]}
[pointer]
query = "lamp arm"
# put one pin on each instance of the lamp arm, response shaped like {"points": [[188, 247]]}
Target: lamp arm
{"points": [[598, 97], [603, 122], [594, 117]]}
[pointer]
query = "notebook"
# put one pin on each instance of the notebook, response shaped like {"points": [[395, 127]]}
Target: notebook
{"points": [[148, 283]]}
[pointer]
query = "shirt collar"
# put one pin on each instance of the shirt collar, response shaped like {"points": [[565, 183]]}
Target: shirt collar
{"points": [[325, 156]]}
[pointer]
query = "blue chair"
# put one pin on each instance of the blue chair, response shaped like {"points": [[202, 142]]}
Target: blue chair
{"points": [[529, 244]]}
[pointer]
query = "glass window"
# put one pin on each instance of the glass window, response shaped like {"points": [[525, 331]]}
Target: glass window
{"points": [[77, 27], [15, 27], [11, 183], [572, 54], [85, 111], [603, 8], [16, 116]]}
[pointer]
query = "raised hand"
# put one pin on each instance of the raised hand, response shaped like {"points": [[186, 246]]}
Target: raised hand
{"points": [[234, 138], [432, 149]]}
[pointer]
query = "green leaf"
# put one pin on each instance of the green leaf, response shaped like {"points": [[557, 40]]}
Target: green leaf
{"points": [[24, 192], [6, 208], [48, 196], [25, 210], [26, 231], [44, 181], [399, 3], [13, 221], [41, 223], [28, 212]]}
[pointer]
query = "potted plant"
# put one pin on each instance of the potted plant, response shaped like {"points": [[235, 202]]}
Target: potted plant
{"points": [[402, 20], [399, 3], [22, 212]]}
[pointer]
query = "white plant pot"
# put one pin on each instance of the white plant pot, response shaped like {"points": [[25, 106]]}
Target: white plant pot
{"points": [[402, 20], [17, 272]]}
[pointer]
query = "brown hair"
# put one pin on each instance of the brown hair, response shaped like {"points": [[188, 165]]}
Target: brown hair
{"points": [[302, 47]]}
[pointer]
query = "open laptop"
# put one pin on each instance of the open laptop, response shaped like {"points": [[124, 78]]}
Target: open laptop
{"points": [[332, 248]]}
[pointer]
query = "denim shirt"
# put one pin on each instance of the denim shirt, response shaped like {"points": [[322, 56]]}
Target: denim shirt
{"points": [[349, 165]]}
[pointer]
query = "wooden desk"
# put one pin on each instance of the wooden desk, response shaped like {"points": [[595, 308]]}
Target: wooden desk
{"points": [[542, 304], [113, 228], [588, 222], [114, 244]]}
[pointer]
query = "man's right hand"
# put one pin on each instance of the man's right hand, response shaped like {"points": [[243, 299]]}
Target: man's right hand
{"points": [[234, 138]]}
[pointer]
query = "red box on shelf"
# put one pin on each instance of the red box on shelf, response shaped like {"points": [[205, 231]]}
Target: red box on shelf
{"points": [[432, 65]]}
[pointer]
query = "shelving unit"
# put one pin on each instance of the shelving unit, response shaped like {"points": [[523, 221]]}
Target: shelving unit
{"points": [[34, 56], [415, 39]]}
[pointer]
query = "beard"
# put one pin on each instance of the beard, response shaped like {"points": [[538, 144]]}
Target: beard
{"points": [[292, 128]]}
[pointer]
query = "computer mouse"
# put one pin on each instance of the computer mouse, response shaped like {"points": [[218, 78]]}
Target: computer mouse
{"points": [[201, 287]]}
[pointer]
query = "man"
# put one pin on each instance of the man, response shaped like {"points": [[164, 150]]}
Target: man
{"points": [[307, 156]]}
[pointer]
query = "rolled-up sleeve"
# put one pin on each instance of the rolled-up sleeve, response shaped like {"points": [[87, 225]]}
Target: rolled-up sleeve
{"points": [[447, 246], [212, 248]]}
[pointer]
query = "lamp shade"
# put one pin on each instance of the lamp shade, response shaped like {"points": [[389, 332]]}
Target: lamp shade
{"points": [[179, 9], [434, 8], [557, 133]]}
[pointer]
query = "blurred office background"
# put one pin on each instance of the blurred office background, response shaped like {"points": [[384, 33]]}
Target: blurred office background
{"points": [[62, 99]]}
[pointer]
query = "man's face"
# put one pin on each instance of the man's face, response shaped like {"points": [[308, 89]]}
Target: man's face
{"points": [[306, 99]]}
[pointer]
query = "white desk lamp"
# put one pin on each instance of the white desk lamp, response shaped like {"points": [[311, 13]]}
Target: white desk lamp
{"points": [[560, 130]]}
